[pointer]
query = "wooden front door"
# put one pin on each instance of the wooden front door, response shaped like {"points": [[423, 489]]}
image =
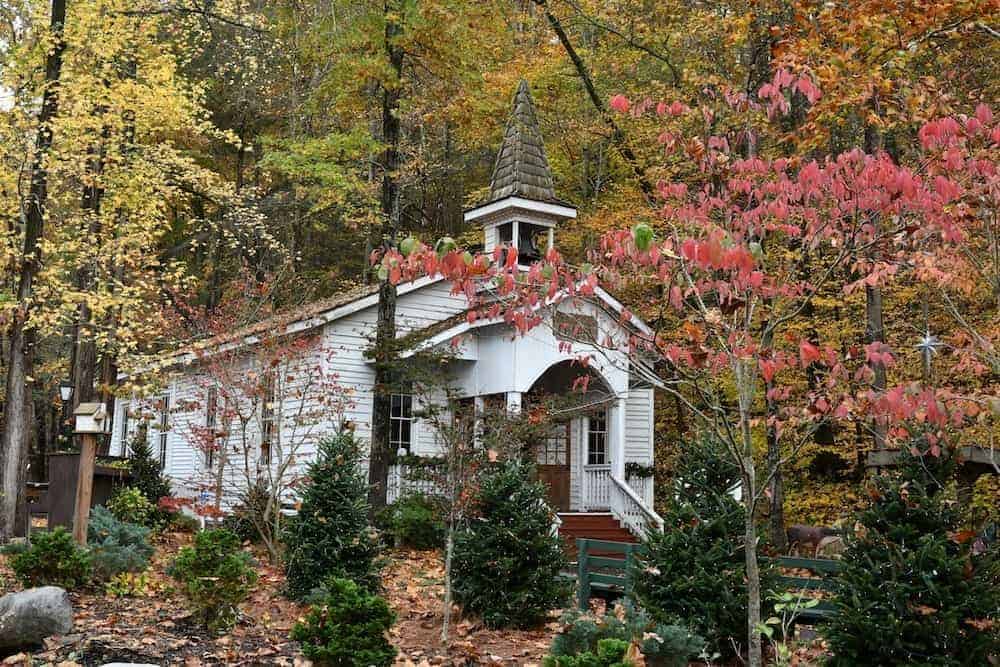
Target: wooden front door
{"points": [[552, 456]]}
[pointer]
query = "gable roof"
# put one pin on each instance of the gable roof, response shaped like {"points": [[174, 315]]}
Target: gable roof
{"points": [[521, 169]]}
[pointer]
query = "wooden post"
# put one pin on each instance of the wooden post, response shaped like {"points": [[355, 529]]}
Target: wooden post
{"points": [[84, 487], [582, 574]]}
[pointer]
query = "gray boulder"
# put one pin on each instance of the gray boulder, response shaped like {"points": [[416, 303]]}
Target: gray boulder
{"points": [[28, 617]]}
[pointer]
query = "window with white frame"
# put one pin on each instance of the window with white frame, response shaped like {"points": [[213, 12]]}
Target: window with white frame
{"points": [[163, 424], [268, 421], [211, 417], [597, 439], [126, 447], [400, 421]]}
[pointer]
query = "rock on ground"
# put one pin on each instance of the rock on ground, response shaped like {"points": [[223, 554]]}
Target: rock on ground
{"points": [[28, 617]]}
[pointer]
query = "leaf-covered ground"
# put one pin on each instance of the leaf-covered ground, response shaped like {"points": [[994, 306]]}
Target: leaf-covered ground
{"points": [[156, 628]]}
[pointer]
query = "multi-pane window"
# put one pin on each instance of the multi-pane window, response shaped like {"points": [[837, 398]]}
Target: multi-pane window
{"points": [[554, 449], [400, 422], [597, 439], [126, 448], [211, 417], [163, 423], [267, 420]]}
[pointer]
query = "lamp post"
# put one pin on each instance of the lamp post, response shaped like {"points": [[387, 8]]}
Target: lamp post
{"points": [[65, 434], [91, 419]]}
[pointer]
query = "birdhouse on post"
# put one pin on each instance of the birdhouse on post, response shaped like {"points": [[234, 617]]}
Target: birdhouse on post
{"points": [[91, 418], [91, 421]]}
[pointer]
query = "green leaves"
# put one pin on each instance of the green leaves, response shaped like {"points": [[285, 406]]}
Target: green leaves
{"points": [[215, 576], [642, 236]]}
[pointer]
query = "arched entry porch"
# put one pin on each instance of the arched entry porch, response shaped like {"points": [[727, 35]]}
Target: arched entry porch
{"points": [[575, 460]]}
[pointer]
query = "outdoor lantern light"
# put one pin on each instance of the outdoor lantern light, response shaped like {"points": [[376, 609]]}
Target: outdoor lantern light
{"points": [[66, 391]]}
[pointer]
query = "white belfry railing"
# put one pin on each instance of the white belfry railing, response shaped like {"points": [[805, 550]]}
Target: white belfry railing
{"points": [[597, 487], [631, 510]]}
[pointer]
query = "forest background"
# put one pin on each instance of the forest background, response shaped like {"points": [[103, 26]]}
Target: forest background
{"points": [[156, 155]]}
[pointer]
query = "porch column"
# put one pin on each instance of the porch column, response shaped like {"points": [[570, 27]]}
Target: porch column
{"points": [[514, 402], [479, 410], [616, 433]]}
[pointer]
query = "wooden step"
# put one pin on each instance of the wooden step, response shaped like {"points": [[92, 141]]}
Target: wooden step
{"points": [[595, 526]]}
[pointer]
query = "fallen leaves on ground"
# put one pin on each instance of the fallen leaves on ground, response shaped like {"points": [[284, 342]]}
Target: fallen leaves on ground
{"points": [[158, 628], [414, 582]]}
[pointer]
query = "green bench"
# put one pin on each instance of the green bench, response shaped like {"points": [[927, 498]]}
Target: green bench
{"points": [[818, 566], [603, 566]]}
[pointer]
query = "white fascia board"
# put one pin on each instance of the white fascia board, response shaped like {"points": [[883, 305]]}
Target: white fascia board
{"points": [[618, 308], [547, 208]]}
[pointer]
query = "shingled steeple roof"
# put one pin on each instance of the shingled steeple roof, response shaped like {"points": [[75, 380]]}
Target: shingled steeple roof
{"points": [[521, 169]]}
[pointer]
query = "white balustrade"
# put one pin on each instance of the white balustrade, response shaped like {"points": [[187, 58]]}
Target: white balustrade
{"points": [[597, 487], [629, 508]]}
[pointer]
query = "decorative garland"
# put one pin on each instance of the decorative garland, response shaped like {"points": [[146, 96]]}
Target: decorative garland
{"points": [[638, 470], [418, 461]]}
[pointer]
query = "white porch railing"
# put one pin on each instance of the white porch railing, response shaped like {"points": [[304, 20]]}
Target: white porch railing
{"points": [[629, 508], [643, 487], [596, 487], [402, 482]]}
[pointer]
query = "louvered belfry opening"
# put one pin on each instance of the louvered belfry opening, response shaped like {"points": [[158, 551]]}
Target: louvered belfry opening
{"points": [[522, 209]]}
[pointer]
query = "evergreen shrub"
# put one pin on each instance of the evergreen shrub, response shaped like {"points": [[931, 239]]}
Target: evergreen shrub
{"points": [[506, 559], [346, 625], [694, 571], [416, 521], [52, 559], [331, 535], [116, 546], [215, 576], [910, 577], [129, 505], [148, 478], [661, 645]]}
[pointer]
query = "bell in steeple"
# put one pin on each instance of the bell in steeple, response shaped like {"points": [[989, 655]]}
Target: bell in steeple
{"points": [[522, 209]]}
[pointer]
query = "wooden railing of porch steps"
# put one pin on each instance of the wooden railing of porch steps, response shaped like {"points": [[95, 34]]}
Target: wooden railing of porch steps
{"points": [[631, 510]]}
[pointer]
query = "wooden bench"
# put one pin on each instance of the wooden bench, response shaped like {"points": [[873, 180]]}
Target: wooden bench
{"points": [[818, 566], [603, 566]]}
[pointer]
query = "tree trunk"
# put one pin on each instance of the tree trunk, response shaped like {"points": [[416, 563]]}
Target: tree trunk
{"points": [[746, 387], [875, 332], [449, 551], [385, 330], [754, 649], [874, 326], [20, 367], [776, 487]]}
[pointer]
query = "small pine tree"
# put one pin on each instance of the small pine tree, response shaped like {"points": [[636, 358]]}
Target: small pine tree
{"points": [[331, 535], [694, 571], [506, 560], [912, 579], [347, 626], [146, 473]]}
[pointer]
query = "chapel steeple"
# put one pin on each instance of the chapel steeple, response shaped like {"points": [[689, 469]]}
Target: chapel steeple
{"points": [[522, 209]]}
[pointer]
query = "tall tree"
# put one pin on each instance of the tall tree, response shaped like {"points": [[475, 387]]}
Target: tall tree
{"points": [[21, 355]]}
